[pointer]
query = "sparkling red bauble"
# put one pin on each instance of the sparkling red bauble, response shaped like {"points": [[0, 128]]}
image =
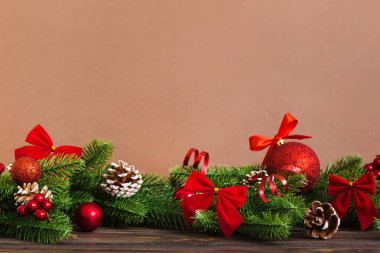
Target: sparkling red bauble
{"points": [[89, 216], [26, 170], [22, 211], [39, 198], [32, 206], [296, 154], [2, 168], [47, 205], [40, 215]]}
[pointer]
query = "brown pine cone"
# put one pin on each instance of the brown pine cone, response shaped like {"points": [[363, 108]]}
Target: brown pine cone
{"points": [[321, 220], [254, 176], [122, 180], [27, 191]]}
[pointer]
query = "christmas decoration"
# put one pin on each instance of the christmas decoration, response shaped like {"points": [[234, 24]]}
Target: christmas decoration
{"points": [[321, 220], [358, 191], [374, 167], [47, 205], [43, 145], [2, 168], [28, 191], [40, 214], [297, 155], [32, 206], [89, 216], [26, 170], [122, 180], [22, 211]]}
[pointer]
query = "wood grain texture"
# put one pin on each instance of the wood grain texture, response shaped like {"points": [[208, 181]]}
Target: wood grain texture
{"points": [[158, 240]]}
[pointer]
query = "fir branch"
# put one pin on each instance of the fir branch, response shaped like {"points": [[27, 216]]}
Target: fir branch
{"points": [[153, 179], [266, 226], [53, 230], [7, 189], [120, 212], [60, 165], [291, 205], [206, 221], [97, 153], [78, 198]]}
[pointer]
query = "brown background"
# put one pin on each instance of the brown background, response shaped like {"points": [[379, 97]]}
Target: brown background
{"points": [[158, 77]]}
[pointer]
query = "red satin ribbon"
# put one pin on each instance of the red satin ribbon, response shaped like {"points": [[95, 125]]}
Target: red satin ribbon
{"points": [[181, 193], [272, 184], [258, 142], [228, 200], [345, 191], [43, 145]]}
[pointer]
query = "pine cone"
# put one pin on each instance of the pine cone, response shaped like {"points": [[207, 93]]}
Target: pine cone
{"points": [[122, 180], [254, 176], [321, 221], [27, 191]]}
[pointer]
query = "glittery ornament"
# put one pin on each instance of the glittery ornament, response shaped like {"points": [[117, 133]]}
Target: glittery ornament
{"points": [[26, 170], [296, 154], [89, 216]]}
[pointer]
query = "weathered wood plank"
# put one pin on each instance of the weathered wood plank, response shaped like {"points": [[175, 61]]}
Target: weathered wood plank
{"points": [[149, 239]]}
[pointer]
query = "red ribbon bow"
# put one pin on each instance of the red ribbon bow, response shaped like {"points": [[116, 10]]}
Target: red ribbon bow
{"points": [[228, 200], [258, 142], [357, 190], [43, 145]]}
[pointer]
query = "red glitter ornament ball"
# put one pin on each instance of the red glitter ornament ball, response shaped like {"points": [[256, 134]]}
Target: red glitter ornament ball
{"points": [[296, 154], [40, 215], [26, 170], [89, 216]]}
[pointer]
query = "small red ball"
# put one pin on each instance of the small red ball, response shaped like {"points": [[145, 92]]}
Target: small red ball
{"points": [[369, 167], [376, 163], [296, 154], [40, 215], [26, 170], [32, 206], [22, 211], [39, 198], [89, 216], [2, 168], [47, 205]]}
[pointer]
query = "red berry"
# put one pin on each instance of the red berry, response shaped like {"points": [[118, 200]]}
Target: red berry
{"points": [[376, 163], [47, 205], [40, 215], [2, 168], [39, 198], [32, 206], [369, 167], [22, 211]]}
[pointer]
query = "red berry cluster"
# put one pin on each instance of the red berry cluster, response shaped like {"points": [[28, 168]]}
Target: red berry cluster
{"points": [[38, 206], [374, 166]]}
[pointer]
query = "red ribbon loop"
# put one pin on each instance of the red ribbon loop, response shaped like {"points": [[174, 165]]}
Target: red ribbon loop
{"points": [[228, 200], [358, 191], [197, 159], [43, 145], [258, 142]]}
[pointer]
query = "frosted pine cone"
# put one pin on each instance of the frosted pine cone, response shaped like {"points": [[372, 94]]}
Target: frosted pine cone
{"points": [[122, 180], [254, 176], [27, 191], [321, 220]]}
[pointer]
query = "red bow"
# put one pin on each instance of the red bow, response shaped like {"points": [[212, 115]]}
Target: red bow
{"points": [[181, 193], [357, 190], [43, 145], [258, 142], [228, 200]]}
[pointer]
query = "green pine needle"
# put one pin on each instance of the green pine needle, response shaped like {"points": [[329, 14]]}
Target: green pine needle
{"points": [[97, 153], [291, 205], [206, 221], [121, 212]]}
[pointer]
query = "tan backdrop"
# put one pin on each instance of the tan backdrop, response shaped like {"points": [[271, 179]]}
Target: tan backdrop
{"points": [[158, 77]]}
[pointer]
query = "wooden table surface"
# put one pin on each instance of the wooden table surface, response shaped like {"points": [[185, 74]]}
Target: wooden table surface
{"points": [[158, 240]]}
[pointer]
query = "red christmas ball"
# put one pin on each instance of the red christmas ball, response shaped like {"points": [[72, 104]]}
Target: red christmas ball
{"points": [[22, 211], [32, 206], [89, 216], [26, 170], [47, 205], [376, 163], [296, 154], [40, 215], [369, 167], [39, 198], [2, 168]]}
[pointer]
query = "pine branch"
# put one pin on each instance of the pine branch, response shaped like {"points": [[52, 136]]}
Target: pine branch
{"points": [[266, 226], [61, 166], [97, 153], [206, 221], [53, 230], [121, 212], [7, 189], [291, 205]]}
